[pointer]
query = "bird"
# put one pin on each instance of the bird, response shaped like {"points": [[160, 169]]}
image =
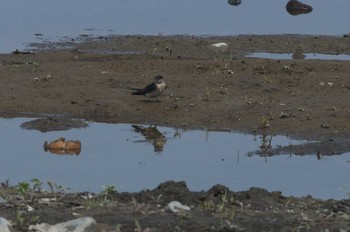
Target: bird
{"points": [[152, 90]]}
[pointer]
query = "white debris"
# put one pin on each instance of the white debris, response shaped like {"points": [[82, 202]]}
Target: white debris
{"points": [[84, 224], [286, 68], [176, 207], [29, 208], [219, 45], [330, 84], [46, 200], [4, 225], [87, 196]]}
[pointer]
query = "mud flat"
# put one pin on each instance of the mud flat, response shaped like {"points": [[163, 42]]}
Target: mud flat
{"points": [[208, 87]]}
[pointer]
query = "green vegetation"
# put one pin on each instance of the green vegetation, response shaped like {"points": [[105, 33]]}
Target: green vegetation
{"points": [[225, 205], [23, 188], [108, 190], [23, 220]]}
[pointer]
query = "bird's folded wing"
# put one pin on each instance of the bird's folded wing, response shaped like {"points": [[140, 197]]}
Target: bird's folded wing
{"points": [[149, 88]]}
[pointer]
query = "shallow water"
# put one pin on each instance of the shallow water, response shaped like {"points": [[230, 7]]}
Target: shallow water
{"points": [[306, 56], [114, 154], [39, 20]]}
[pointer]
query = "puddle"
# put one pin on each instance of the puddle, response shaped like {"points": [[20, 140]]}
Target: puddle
{"points": [[306, 56], [22, 21], [136, 158]]}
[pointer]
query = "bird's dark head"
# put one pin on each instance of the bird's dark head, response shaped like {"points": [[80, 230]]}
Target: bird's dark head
{"points": [[158, 79]]}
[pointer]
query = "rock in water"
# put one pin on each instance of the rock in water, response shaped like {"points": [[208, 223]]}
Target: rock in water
{"points": [[295, 7]]}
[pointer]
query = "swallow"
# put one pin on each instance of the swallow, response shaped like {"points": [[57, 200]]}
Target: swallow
{"points": [[152, 90]]}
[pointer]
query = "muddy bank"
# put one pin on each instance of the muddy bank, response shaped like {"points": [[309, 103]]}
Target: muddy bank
{"points": [[217, 209], [210, 88]]}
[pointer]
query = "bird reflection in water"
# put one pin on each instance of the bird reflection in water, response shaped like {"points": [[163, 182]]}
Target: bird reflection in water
{"points": [[152, 135], [295, 7]]}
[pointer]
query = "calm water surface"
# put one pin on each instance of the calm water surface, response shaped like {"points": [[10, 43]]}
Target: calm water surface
{"points": [[115, 154], [306, 56], [25, 21]]}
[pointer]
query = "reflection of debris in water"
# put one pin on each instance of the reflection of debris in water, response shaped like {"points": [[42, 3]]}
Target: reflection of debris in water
{"points": [[16, 52], [153, 135], [319, 149], [265, 142], [299, 54], [54, 124], [295, 7], [62, 147]]}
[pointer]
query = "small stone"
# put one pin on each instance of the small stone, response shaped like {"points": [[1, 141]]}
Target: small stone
{"points": [[325, 126], [283, 115]]}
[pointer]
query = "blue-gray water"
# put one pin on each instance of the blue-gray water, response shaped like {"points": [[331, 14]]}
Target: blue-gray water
{"points": [[114, 154], [22, 19], [307, 56]]}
